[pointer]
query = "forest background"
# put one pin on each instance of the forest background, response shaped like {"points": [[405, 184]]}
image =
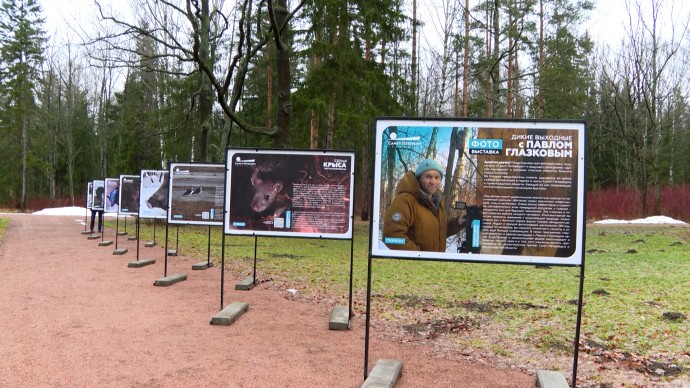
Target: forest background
{"points": [[152, 82]]}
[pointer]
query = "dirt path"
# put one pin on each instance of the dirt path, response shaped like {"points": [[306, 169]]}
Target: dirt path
{"points": [[73, 314]]}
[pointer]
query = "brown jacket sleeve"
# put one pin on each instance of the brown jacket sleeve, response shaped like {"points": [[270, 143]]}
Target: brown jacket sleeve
{"points": [[398, 225]]}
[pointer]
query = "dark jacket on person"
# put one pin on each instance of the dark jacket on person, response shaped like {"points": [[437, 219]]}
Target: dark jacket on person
{"points": [[415, 221]]}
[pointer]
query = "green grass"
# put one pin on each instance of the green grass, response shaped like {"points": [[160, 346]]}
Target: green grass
{"points": [[642, 286], [535, 306], [4, 223]]}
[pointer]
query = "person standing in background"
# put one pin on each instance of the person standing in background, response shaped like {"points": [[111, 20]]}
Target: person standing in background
{"points": [[98, 202], [98, 213]]}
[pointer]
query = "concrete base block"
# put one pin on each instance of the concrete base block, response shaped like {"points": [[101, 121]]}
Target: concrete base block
{"points": [[172, 252], [132, 238], [551, 379], [340, 318], [105, 243], [230, 314], [170, 280], [384, 375], [141, 263], [202, 265], [150, 244], [245, 285], [85, 232], [120, 251], [121, 233], [93, 237]]}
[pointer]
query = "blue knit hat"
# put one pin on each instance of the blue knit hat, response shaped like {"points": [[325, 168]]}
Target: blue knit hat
{"points": [[428, 164]]}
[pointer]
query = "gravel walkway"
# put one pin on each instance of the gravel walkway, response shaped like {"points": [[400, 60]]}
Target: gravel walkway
{"points": [[74, 315]]}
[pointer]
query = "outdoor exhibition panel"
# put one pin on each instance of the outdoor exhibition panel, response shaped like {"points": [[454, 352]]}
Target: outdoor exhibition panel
{"points": [[298, 193], [112, 194], [98, 200], [521, 184], [129, 194], [153, 193], [88, 205], [196, 193], [89, 195], [514, 188], [290, 193]]}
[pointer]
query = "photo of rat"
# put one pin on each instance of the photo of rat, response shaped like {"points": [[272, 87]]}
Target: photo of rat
{"points": [[269, 197], [285, 192]]}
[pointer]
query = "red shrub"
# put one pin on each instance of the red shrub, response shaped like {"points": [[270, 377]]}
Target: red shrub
{"points": [[626, 204], [610, 203]]}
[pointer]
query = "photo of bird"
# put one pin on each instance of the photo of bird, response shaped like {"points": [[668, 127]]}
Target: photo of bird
{"points": [[189, 191], [197, 191]]}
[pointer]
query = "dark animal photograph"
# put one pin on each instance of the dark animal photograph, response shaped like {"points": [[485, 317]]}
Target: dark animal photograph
{"points": [[297, 192], [153, 200], [129, 194]]}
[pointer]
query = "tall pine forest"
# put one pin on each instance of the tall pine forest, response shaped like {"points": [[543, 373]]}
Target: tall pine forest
{"points": [[171, 80]]}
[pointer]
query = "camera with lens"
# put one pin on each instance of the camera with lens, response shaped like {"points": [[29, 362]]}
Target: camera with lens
{"points": [[473, 226]]}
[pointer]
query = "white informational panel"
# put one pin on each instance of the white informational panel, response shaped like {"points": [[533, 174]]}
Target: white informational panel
{"points": [[89, 195], [129, 194], [521, 185], [153, 193], [289, 193], [196, 193], [98, 199], [112, 195]]}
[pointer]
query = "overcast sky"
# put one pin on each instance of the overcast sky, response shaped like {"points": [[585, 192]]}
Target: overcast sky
{"points": [[605, 24]]}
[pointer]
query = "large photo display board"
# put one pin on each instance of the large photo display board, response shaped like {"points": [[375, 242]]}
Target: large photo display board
{"points": [[196, 193], [289, 193], [98, 199], [89, 195], [112, 195], [153, 193], [129, 194], [519, 185]]}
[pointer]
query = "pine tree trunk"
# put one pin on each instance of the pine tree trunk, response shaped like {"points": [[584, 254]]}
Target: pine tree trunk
{"points": [[365, 179], [540, 65], [25, 152], [205, 103], [466, 63], [331, 121], [283, 115], [413, 83]]}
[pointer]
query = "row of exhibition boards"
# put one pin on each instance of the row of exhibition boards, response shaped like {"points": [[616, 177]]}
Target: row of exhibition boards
{"points": [[527, 175], [256, 192]]}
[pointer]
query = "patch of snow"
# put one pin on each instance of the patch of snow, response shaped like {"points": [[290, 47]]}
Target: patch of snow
{"points": [[80, 211], [62, 211], [68, 211], [648, 220]]}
